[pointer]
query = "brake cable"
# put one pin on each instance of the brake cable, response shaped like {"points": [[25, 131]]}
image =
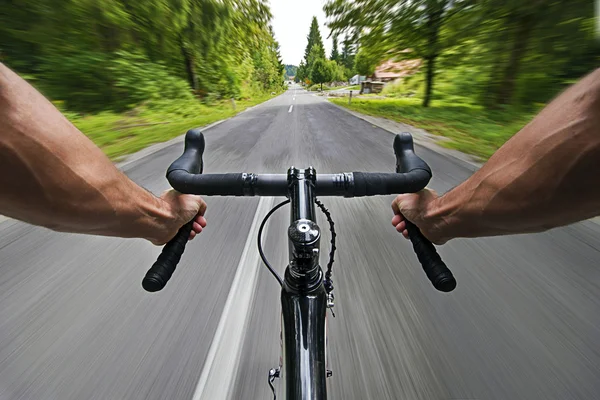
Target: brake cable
{"points": [[328, 282], [260, 250]]}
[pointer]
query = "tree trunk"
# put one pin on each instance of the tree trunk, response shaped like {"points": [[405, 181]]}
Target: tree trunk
{"points": [[430, 72], [434, 21], [189, 65], [519, 47]]}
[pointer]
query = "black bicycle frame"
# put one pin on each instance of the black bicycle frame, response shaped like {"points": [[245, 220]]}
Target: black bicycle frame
{"points": [[303, 296], [304, 300]]}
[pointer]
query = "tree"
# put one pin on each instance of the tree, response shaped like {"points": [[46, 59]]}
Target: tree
{"points": [[365, 63], [339, 72], [335, 55], [549, 32], [347, 56], [290, 70], [316, 53], [404, 28], [301, 73], [320, 71], [314, 39], [221, 48]]}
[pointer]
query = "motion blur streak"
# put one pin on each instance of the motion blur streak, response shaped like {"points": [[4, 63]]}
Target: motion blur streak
{"points": [[522, 324]]}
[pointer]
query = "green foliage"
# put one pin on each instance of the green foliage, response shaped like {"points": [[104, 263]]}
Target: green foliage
{"points": [[113, 54], [314, 47], [365, 63], [471, 129], [348, 54], [335, 54], [76, 79], [301, 72], [290, 70], [338, 72], [136, 80], [316, 53], [411, 86], [497, 53], [321, 71], [121, 134]]}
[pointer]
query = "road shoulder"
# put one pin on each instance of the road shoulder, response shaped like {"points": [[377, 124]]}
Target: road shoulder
{"points": [[420, 136]]}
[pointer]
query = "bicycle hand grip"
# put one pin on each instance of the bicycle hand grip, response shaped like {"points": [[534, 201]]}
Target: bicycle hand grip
{"points": [[435, 269], [161, 271]]}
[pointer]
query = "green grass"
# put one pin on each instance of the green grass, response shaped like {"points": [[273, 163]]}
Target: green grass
{"points": [[111, 133], [326, 87], [472, 129]]}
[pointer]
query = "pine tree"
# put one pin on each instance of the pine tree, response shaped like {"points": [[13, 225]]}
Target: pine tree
{"points": [[335, 54], [347, 57], [314, 38]]}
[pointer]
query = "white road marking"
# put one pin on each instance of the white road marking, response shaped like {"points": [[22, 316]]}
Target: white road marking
{"points": [[290, 110], [220, 368]]}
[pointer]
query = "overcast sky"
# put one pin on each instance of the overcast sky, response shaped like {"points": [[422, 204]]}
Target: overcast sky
{"points": [[291, 23]]}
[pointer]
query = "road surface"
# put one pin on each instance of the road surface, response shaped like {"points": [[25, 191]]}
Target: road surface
{"points": [[75, 324]]}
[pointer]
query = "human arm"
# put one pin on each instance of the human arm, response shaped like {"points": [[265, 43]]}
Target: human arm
{"points": [[547, 175], [54, 176]]}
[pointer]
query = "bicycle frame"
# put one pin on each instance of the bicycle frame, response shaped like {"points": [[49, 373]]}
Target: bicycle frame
{"points": [[303, 297]]}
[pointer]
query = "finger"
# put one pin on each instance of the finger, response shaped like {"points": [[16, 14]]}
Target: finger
{"points": [[197, 227], [397, 219], [203, 206], [201, 220], [401, 227], [405, 233], [192, 235]]}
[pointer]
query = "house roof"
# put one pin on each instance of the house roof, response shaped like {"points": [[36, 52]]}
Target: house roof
{"points": [[396, 69]]}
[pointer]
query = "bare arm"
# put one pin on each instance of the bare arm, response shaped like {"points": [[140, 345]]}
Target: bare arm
{"points": [[545, 176], [53, 175]]}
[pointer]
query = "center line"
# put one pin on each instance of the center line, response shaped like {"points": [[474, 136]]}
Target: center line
{"points": [[290, 110], [221, 365]]}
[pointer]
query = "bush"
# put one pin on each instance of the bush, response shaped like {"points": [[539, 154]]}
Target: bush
{"points": [[137, 80], [93, 81], [410, 86], [81, 80]]}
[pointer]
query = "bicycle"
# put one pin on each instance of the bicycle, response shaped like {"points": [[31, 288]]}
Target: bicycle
{"points": [[306, 291]]}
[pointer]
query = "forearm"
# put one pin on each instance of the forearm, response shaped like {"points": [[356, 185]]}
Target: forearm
{"points": [[547, 175], [52, 175]]}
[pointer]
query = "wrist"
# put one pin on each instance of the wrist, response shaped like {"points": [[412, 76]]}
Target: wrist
{"points": [[148, 217], [443, 218]]}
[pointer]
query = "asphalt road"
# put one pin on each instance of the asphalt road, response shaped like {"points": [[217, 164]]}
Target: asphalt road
{"points": [[524, 322]]}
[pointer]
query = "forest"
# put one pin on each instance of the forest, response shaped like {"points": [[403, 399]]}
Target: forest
{"points": [[130, 73], [162, 65], [496, 61]]}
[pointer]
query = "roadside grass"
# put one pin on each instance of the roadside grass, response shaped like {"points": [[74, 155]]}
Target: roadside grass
{"points": [[119, 134], [472, 129]]}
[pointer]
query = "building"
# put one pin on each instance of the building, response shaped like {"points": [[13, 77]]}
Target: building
{"points": [[357, 79], [391, 70]]}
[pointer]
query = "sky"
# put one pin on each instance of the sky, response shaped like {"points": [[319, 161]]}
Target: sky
{"points": [[291, 23]]}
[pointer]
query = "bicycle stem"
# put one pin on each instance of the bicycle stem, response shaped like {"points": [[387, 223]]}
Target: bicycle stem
{"points": [[304, 272]]}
